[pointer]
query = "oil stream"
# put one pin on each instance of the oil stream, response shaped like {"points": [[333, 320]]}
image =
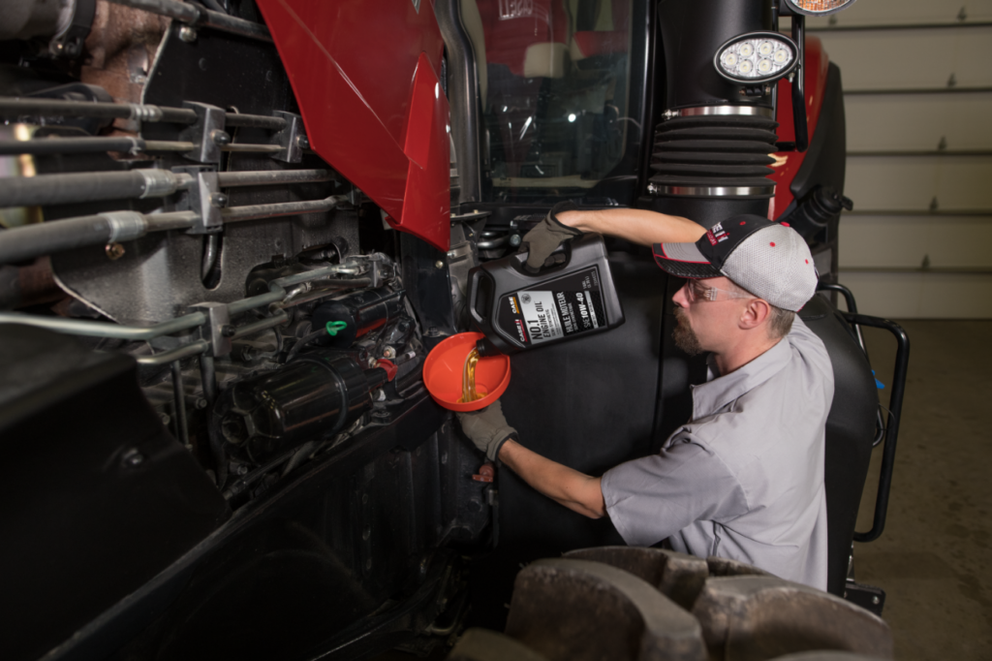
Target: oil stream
{"points": [[469, 392]]}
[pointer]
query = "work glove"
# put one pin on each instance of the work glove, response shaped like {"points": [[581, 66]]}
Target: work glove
{"points": [[487, 429], [545, 238]]}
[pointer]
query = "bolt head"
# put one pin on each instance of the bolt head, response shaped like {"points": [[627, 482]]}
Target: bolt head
{"points": [[875, 600], [114, 251], [227, 330], [515, 240], [439, 264], [222, 138], [187, 34], [303, 142], [219, 200], [133, 458]]}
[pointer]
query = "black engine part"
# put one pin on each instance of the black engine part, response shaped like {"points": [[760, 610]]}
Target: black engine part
{"points": [[105, 498], [361, 313], [316, 395]]}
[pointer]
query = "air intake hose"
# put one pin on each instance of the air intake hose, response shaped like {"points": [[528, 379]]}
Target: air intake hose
{"points": [[708, 155]]}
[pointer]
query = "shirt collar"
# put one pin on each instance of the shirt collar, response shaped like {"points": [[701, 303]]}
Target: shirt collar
{"points": [[710, 397]]}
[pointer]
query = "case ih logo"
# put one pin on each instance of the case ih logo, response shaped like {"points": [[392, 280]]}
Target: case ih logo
{"points": [[515, 9], [717, 234], [521, 333]]}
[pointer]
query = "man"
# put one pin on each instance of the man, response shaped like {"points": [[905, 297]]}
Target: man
{"points": [[743, 479]]}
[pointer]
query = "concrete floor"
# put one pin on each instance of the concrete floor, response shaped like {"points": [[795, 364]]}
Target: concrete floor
{"points": [[933, 558]]}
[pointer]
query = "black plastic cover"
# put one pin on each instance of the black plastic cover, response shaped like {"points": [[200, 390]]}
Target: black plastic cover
{"points": [[98, 497], [850, 433]]}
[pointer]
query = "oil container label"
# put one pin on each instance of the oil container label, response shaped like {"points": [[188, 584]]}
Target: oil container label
{"points": [[554, 309]]}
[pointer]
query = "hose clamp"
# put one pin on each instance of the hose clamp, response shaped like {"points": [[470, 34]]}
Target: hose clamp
{"points": [[158, 183], [124, 225], [753, 111], [145, 113]]}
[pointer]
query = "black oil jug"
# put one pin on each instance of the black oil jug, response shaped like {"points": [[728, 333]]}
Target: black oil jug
{"points": [[519, 311]]}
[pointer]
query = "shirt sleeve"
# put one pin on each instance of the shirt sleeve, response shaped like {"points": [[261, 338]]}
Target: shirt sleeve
{"points": [[652, 498]]}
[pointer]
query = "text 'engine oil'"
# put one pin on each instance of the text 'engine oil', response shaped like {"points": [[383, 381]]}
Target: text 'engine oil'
{"points": [[518, 311]]}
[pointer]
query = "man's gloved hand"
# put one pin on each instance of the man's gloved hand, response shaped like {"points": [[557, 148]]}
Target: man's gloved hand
{"points": [[545, 238], [487, 429]]}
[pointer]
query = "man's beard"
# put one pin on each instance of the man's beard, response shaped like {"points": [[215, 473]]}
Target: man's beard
{"points": [[684, 336]]}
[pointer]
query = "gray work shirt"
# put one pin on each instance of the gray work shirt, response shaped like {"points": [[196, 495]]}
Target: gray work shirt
{"points": [[744, 478]]}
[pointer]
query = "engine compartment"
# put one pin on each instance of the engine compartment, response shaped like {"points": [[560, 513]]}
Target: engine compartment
{"points": [[268, 326]]}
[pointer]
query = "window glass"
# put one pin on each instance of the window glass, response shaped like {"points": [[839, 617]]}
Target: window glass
{"points": [[556, 103]]}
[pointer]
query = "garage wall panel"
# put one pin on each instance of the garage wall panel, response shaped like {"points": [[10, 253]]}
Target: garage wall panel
{"points": [[924, 295], [918, 121], [897, 183], [907, 242], [887, 12], [899, 59], [918, 81]]}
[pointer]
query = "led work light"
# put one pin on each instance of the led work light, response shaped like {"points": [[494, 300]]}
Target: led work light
{"points": [[756, 57], [818, 7]]}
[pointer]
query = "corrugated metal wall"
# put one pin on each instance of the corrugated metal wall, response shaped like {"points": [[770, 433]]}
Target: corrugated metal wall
{"points": [[918, 91]]}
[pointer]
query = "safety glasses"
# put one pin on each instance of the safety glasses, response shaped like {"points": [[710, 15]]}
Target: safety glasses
{"points": [[696, 291]]}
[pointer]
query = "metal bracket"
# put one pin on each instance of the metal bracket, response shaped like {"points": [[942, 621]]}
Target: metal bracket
{"points": [[217, 329], [203, 197], [207, 135], [69, 42], [292, 139]]}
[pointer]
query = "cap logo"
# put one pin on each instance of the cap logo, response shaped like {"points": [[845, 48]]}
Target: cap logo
{"points": [[716, 234]]}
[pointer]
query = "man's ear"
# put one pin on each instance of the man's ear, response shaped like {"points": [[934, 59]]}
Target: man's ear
{"points": [[754, 313]]}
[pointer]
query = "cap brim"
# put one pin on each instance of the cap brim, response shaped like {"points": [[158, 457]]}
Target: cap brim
{"points": [[683, 260]]}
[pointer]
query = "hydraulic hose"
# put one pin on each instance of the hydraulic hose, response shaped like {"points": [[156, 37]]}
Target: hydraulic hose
{"points": [[78, 187], [27, 242], [23, 243]]}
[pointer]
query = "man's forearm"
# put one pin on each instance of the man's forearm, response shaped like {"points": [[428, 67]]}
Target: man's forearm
{"points": [[576, 491], [635, 225]]}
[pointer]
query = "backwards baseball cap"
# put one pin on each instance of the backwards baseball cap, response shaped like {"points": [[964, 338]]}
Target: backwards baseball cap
{"points": [[768, 259]]}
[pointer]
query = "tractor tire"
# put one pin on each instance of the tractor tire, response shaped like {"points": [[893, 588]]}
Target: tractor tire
{"points": [[645, 604]]}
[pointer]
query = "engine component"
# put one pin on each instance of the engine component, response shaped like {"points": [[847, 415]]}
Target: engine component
{"points": [[317, 395], [67, 23], [360, 312]]}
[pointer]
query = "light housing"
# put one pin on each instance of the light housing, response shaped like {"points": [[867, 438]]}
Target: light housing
{"points": [[756, 58], [818, 7]]}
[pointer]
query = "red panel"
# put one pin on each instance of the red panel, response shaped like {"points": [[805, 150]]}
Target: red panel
{"points": [[788, 163], [365, 77]]}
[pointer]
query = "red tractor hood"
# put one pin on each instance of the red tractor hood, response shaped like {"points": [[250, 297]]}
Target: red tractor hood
{"points": [[366, 79]]}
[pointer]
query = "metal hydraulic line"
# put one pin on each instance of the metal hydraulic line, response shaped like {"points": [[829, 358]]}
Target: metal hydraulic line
{"points": [[68, 188], [14, 107]]}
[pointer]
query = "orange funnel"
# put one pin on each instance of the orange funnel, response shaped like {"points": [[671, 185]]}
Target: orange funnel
{"points": [[444, 367]]}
